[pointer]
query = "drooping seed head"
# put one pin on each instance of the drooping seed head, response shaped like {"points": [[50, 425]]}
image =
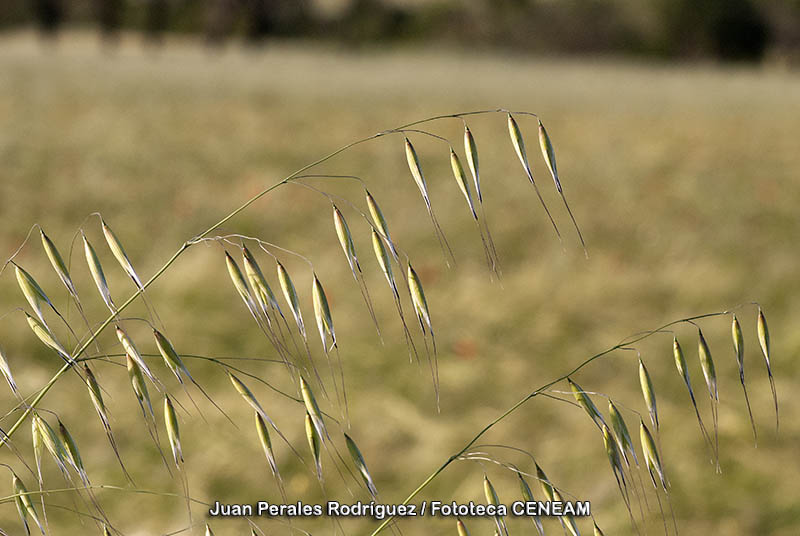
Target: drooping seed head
{"points": [[707, 365], [133, 352], [648, 392], [5, 369], [680, 360], [209, 532], [621, 432], [519, 144], [461, 180], [24, 504], [322, 313], [738, 341], [345, 238], [71, 448], [380, 222], [238, 280], [170, 356], [462, 529], [763, 334], [418, 298], [261, 289], [547, 487], [46, 337], [549, 154], [586, 403], [651, 456], [383, 258], [358, 460], [314, 444], [97, 274], [597, 531], [173, 431], [489, 492], [266, 443], [471, 150], [32, 292], [94, 390], [290, 294], [416, 170], [137, 382], [612, 450], [119, 253], [58, 263]]}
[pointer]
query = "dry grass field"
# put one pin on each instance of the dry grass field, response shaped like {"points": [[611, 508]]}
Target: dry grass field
{"points": [[685, 181]]}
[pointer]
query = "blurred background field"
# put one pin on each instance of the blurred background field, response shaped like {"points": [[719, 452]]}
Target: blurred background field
{"points": [[684, 179]]}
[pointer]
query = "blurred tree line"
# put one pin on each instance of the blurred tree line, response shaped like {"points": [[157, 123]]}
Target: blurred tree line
{"points": [[738, 30]]}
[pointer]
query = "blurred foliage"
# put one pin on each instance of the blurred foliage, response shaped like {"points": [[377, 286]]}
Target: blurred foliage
{"points": [[721, 29]]}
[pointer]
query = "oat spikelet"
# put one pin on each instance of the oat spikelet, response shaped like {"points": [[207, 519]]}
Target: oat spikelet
{"points": [[173, 431], [97, 274], [96, 396], [139, 387], [314, 444], [615, 460], [651, 457], [738, 348], [170, 356], [419, 301], [322, 313], [527, 496], [622, 434], [586, 403], [550, 159], [763, 340], [419, 178], [24, 505], [597, 531], [710, 375], [683, 370], [263, 292], [266, 444], [313, 408], [380, 222], [33, 293], [519, 147], [209, 532], [462, 529], [239, 283], [346, 239], [74, 455], [133, 352], [361, 465], [45, 436], [567, 520], [58, 264], [461, 180], [290, 294], [119, 253], [492, 499], [383, 261], [649, 393], [471, 150], [47, 338], [6, 371]]}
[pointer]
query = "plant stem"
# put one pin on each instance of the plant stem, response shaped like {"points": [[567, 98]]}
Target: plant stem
{"points": [[192, 241], [625, 342]]}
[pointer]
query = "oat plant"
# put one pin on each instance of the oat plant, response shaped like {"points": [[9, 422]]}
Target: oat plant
{"points": [[274, 295]]}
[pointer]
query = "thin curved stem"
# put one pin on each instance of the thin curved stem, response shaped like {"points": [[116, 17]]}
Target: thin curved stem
{"points": [[625, 342], [198, 237]]}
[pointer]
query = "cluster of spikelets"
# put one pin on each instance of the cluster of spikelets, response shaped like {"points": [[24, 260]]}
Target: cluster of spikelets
{"points": [[618, 445], [282, 325]]}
